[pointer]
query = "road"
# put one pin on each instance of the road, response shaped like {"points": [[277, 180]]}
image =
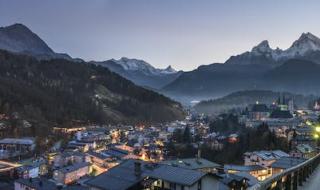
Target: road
{"points": [[7, 166], [313, 182]]}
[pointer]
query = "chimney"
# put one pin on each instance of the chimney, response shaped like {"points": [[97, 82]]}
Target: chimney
{"points": [[199, 153], [137, 168]]}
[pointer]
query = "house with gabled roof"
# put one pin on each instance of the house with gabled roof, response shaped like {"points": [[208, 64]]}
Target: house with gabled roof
{"points": [[263, 158], [199, 164], [141, 175]]}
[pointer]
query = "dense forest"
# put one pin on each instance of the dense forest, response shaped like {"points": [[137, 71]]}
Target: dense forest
{"points": [[58, 92]]}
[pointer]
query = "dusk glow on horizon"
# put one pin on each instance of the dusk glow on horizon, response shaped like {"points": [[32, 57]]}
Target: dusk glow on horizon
{"points": [[184, 34]]}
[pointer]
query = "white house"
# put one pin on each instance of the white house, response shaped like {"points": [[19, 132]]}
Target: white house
{"points": [[263, 158]]}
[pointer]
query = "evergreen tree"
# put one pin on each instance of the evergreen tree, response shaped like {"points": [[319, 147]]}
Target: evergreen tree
{"points": [[187, 135]]}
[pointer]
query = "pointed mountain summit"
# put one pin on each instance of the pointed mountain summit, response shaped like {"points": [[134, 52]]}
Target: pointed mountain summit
{"points": [[262, 47], [259, 54], [20, 39], [169, 69], [263, 53], [306, 43], [307, 38]]}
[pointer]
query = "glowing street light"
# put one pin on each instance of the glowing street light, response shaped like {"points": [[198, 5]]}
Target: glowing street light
{"points": [[316, 134], [309, 123]]}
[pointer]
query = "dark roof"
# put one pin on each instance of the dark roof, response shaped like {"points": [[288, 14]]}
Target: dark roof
{"points": [[119, 150], [98, 155], [285, 114], [287, 162], [23, 141], [38, 184], [177, 175], [72, 154], [244, 168], [270, 155], [304, 129], [115, 152], [192, 163], [122, 177], [260, 108], [227, 178], [305, 139], [305, 148], [73, 167], [76, 187]]}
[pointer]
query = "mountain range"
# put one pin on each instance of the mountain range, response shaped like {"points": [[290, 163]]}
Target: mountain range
{"points": [[294, 70], [47, 87], [141, 72], [20, 39], [262, 53], [60, 91]]}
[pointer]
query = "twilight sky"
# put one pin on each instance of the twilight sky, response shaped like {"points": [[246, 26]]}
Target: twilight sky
{"points": [[181, 33]]}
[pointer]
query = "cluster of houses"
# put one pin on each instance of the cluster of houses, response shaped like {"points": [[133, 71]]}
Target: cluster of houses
{"points": [[134, 157], [297, 126], [189, 173], [260, 165]]}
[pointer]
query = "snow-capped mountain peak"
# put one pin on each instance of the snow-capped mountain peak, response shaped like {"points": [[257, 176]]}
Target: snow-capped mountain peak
{"points": [[134, 64], [309, 37], [262, 47], [169, 70], [142, 66], [306, 42]]}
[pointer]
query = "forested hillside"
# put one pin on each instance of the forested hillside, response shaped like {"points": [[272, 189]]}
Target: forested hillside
{"points": [[57, 92]]}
